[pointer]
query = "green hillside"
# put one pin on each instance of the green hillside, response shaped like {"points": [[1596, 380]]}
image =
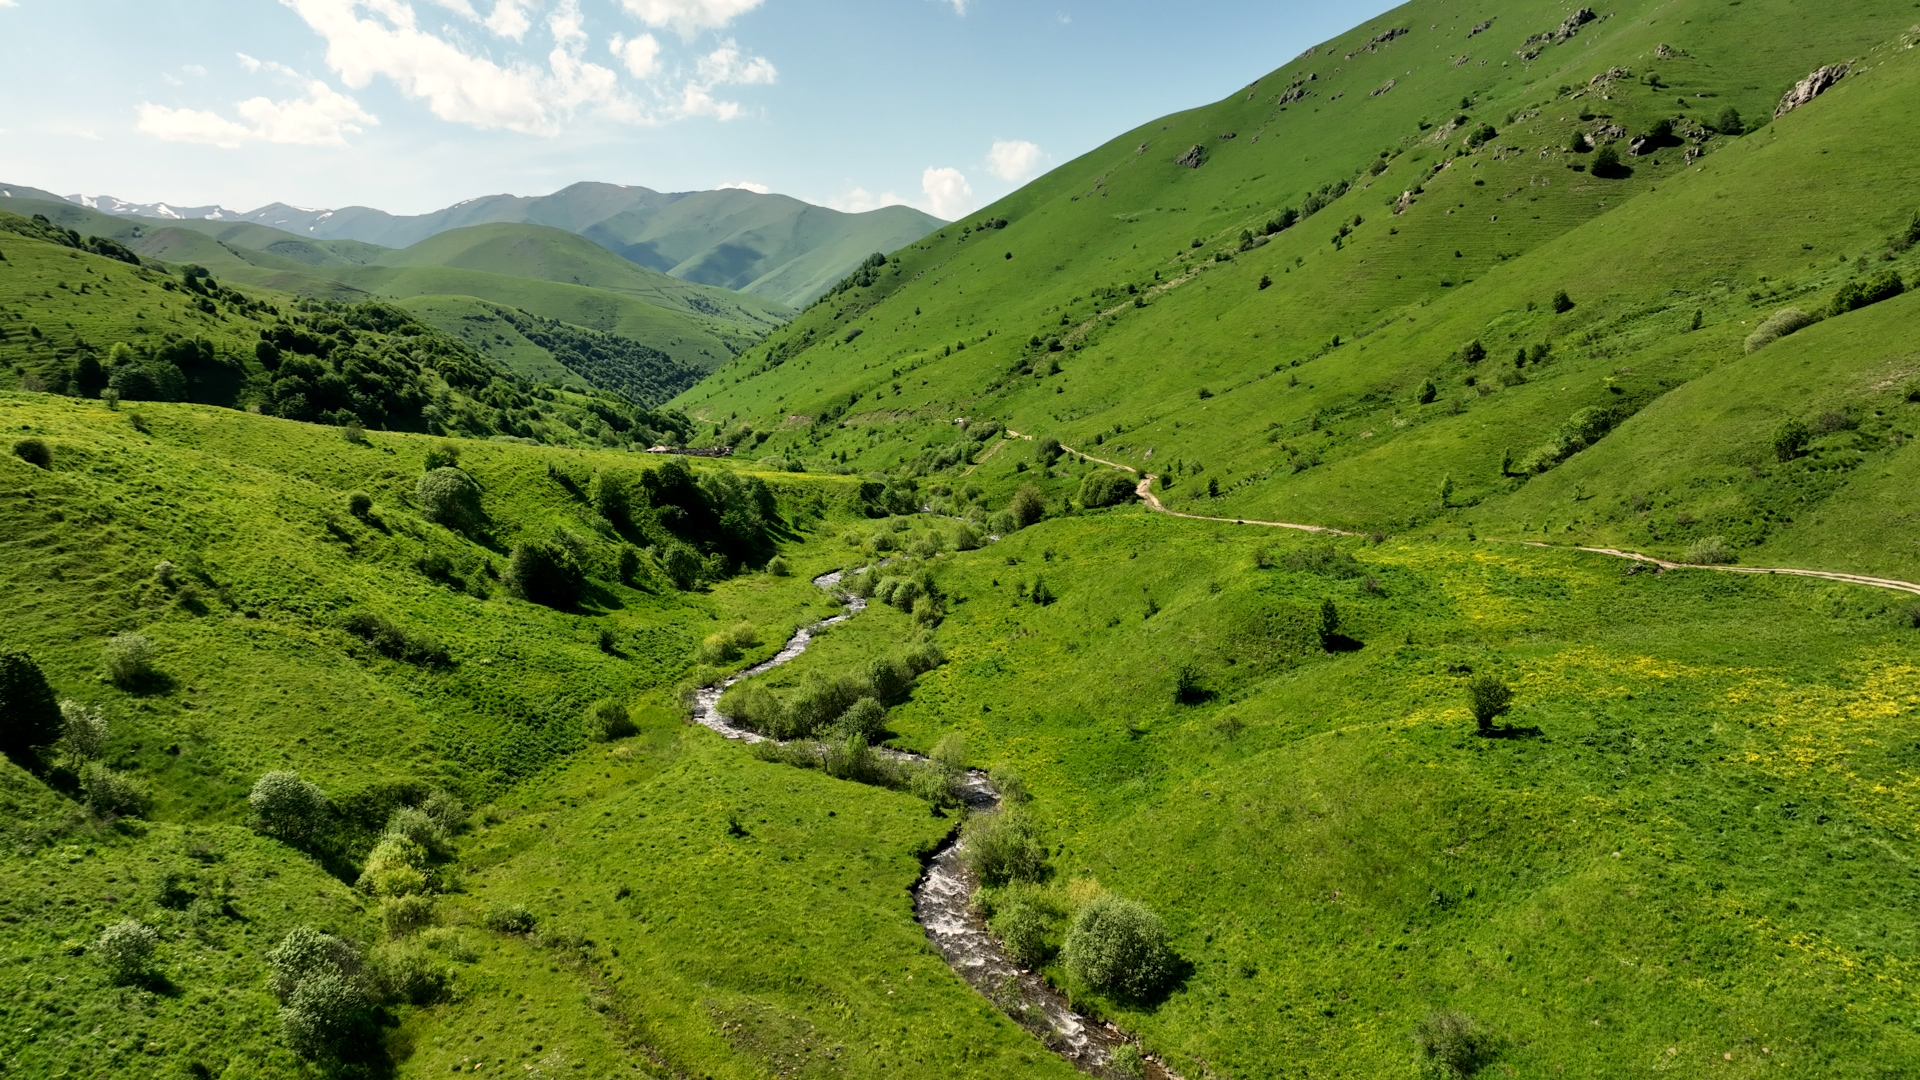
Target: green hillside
{"points": [[1148, 275], [1432, 794], [515, 266]]}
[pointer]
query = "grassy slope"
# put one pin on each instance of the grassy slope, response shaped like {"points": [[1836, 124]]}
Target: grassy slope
{"points": [[265, 679], [540, 270], [1640, 256], [1704, 848], [476, 324]]}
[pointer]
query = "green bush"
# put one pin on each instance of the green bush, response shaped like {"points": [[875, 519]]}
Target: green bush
{"points": [[396, 866], [1488, 699], [1562, 303], [1010, 785], [290, 809], [325, 1014], [866, 718], [1118, 947], [545, 574], [402, 915], [1711, 551], [1026, 508], [682, 565], [111, 793], [1606, 162], [34, 452], [777, 566], [1106, 487], [129, 660], [360, 505], [395, 643], [1472, 352], [1002, 846], [1729, 122], [1452, 1046], [1790, 439], [1778, 326], [126, 949], [1427, 392], [30, 719], [1022, 928], [1861, 292], [608, 720], [407, 972], [509, 919], [83, 732], [1324, 559], [451, 498], [417, 825]]}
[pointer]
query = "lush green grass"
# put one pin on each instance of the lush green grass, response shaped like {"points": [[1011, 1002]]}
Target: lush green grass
{"points": [[1702, 846], [1293, 428]]}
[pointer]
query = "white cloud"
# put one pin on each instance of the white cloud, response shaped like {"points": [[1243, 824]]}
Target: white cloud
{"points": [[726, 64], [508, 20], [860, 200], [640, 56], [460, 87], [194, 70], [1013, 160], [9, 3], [747, 185], [948, 195], [325, 117], [689, 16], [248, 62], [959, 6]]}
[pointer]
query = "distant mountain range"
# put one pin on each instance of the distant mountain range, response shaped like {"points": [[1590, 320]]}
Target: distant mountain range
{"points": [[771, 246]]}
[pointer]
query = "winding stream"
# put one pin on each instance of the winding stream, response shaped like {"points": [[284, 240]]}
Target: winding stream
{"points": [[941, 896]]}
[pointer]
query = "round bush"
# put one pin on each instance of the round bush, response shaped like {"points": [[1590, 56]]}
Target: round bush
{"points": [[395, 867], [682, 565], [1119, 947], [509, 919], [415, 824], [289, 809], [113, 793], [360, 504], [126, 948], [449, 497], [306, 952], [83, 731], [34, 452], [402, 915], [1780, 325], [1022, 929], [607, 720], [778, 567], [1709, 552], [867, 719], [1001, 847], [1127, 1062], [1106, 487], [129, 660], [1452, 1044], [325, 1011], [545, 574]]}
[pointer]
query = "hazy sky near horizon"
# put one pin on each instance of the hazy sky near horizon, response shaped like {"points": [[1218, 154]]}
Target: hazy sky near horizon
{"points": [[412, 105]]}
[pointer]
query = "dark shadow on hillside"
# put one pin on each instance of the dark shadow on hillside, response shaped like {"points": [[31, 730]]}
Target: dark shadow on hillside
{"points": [[1341, 643], [148, 684], [1507, 731]]}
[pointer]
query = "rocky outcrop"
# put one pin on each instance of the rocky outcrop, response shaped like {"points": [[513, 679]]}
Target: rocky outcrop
{"points": [[1193, 158], [1378, 40], [1297, 91], [1535, 45], [1391, 83], [1811, 87], [1404, 204], [1480, 28], [1668, 52]]}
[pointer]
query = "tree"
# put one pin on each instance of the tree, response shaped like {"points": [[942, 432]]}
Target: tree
{"points": [[1428, 392], [545, 574], [682, 565], [1729, 122], [1562, 303], [29, 717], [1790, 439], [1027, 508], [34, 452], [1105, 487], [1047, 450], [449, 497], [1446, 491], [129, 660], [83, 732], [1489, 699], [324, 997], [1118, 947], [1329, 623], [126, 948], [1003, 846], [1606, 162], [866, 719], [289, 809]]}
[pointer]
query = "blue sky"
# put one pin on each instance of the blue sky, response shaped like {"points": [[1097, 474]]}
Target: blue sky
{"points": [[411, 105]]}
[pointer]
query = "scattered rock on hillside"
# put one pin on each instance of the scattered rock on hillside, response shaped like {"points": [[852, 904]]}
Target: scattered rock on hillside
{"points": [[1297, 91], [1641, 144], [1391, 83], [1533, 46], [1811, 87], [1405, 203], [1609, 133], [1193, 158], [1229, 135], [1480, 28], [1668, 52], [1381, 39]]}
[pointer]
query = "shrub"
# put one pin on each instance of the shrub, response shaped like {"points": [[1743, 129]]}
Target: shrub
{"points": [[1711, 551], [1790, 439], [1861, 292], [395, 867], [415, 824], [1022, 929], [1729, 122], [1119, 947], [1329, 624], [129, 659], [509, 919], [1472, 352], [682, 565], [1428, 392], [29, 717], [83, 732], [1488, 699], [113, 793], [1606, 161], [402, 915], [545, 574], [445, 809], [126, 948], [1106, 487], [607, 720], [1562, 303], [1047, 450], [1323, 559], [950, 753], [34, 452], [1012, 789], [325, 1013], [1780, 325], [866, 718], [444, 456], [449, 497], [717, 649], [1452, 1045], [408, 973], [1001, 846], [778, 567], [1026, 508], [395, 643], [360, 505], [290, 809]]}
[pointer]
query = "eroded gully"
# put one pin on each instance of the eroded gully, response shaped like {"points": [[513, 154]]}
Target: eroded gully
{"points": [[941, 898]]}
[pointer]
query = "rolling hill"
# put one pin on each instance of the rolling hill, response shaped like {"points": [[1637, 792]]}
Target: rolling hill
{"points": [[770, 246]]}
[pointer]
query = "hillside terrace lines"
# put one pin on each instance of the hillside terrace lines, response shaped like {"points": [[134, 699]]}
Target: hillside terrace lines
{"points": [[1145, 492]]}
